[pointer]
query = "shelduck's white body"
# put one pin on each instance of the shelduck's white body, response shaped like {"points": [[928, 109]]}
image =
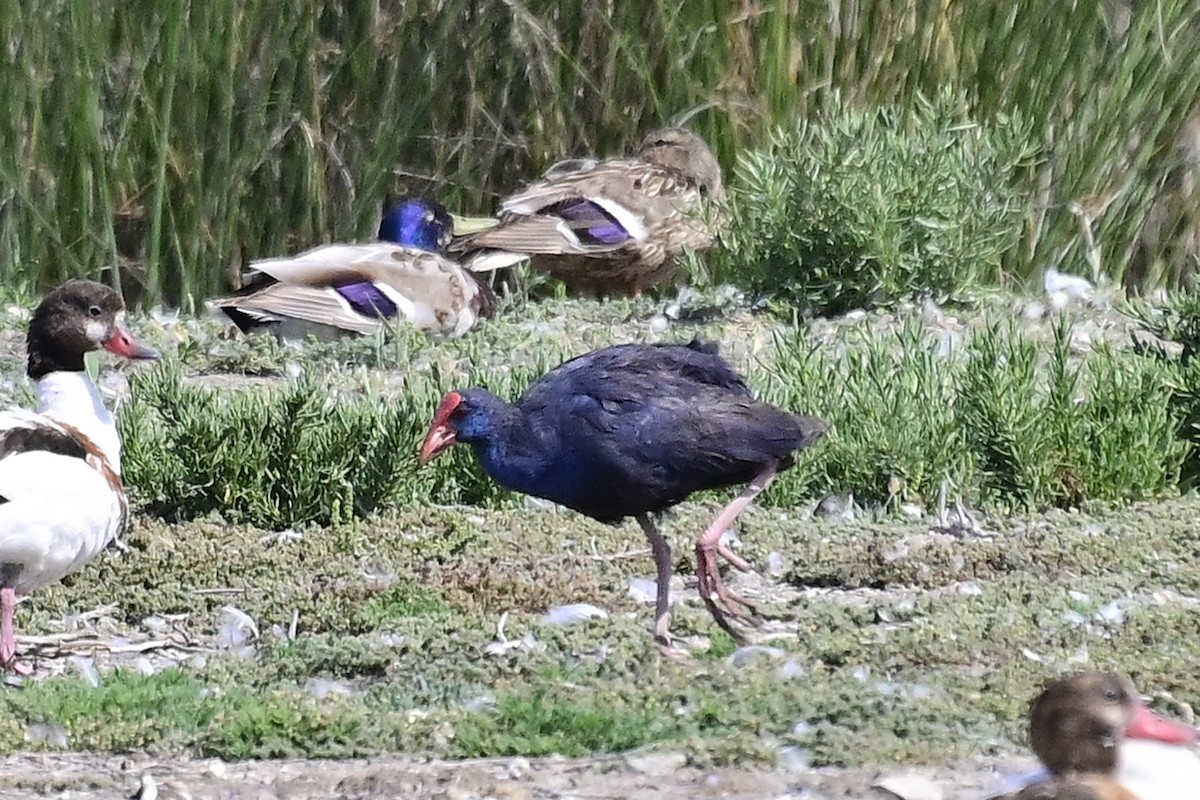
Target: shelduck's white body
{"points": [[62, 510]]}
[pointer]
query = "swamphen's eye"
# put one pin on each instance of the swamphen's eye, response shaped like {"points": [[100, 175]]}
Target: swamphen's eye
{"points": [[94, 310]]}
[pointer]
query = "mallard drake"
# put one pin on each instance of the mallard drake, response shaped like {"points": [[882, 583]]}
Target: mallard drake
{"points": [[61, 496], [355, 288], [615, 225], [1099, 741]]}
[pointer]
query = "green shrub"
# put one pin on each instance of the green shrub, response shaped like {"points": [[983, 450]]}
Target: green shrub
{"points": [[299, 454], [1004, 422], [1177, 322], [282, 458], [860, 208]]}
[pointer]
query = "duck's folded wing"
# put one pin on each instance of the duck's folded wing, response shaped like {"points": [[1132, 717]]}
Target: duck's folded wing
{"points": [[594, 211], [331, 264], [323, 306], [530, 235], [354, 287]]}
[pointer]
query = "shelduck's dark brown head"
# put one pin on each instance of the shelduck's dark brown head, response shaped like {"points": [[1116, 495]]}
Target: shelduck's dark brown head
{"points": [[1077, 724], [76, 318]]}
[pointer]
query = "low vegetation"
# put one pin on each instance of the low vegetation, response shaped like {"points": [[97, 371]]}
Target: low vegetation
{"points": [[992, 415], [928, 649]]}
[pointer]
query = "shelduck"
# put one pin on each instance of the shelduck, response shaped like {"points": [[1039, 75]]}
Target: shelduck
{"points": [[61, 495]]}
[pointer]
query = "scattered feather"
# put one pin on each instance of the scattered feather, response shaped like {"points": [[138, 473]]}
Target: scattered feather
{"points": [[479, 704], [47, 733], [87, 668], [792, 668], [753, 654], [1062, 288], [527, 643], [236, 628], [572, 613], [281, 537], [1075, 287], [794, 759], [1111, 613]]}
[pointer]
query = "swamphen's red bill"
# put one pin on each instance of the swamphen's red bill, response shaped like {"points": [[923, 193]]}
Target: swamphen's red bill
{"points": [[123, 344], [1148, 725], [441, 436]]}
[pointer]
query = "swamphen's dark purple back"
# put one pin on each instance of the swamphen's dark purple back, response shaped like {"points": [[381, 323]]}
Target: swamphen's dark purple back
{"points": [[632, 429]]}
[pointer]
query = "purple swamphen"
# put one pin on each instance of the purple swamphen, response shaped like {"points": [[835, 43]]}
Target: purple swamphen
{"points": [[629, 431]]}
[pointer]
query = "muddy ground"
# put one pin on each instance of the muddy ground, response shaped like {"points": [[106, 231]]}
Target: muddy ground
{"points": [[646, 776]]}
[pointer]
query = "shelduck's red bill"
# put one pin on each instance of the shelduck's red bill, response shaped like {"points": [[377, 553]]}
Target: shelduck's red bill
{"points": [[441, 436], [124, 345], [1148, 725]]}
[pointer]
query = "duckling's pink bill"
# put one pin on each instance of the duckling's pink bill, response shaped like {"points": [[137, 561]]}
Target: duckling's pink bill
{"points": [[1149, 725], [124, 345]]}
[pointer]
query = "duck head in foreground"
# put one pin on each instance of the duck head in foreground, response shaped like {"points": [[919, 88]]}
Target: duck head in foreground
{"points": [[1099, 741], [359, 288], [61, 496]]}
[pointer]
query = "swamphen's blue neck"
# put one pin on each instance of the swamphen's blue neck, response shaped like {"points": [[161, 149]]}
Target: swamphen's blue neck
{"points": [[519, 454]]}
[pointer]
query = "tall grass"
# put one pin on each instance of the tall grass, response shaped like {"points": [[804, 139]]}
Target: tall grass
{"points": [[178, 138]]}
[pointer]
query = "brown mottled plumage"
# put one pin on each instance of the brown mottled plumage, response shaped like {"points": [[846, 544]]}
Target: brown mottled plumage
{"points": [[615, 225]]}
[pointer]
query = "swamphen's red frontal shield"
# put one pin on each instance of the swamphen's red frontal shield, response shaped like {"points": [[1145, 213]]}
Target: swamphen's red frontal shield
{"points": [[629, 431]]}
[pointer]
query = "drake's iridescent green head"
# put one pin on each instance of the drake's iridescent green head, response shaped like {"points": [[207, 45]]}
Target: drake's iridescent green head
{"points": [[417, 222]]}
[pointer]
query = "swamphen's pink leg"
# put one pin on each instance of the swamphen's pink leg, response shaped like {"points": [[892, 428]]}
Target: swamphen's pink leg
{"points": [[8, 640], [707, 548], [662, 598]]}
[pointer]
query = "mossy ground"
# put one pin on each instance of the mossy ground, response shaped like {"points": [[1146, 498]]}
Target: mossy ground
{"points": [[898, 643], [895, 640]]}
